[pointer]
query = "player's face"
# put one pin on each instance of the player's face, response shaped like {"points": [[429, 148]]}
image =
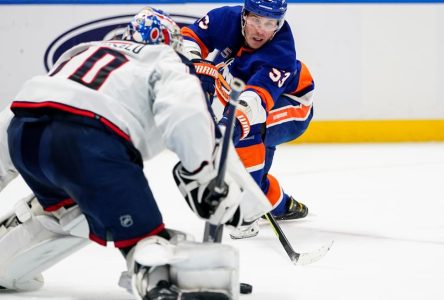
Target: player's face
{"points": [[259, 30]]}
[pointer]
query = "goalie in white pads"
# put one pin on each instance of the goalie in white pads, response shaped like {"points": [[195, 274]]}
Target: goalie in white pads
{"points": [[79, 137]]}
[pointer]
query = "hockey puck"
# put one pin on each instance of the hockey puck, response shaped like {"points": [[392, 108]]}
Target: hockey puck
{"points": [[246, 288]]}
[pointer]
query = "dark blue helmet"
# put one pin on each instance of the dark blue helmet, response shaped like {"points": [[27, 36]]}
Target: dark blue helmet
{"points": [[274, 9]]}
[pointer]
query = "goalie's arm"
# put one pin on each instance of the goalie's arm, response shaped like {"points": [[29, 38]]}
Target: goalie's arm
{"points": [[180, 111], [7, 169]]}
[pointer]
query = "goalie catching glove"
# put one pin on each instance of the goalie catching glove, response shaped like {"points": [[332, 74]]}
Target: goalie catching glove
{"points": [[198, 189]]}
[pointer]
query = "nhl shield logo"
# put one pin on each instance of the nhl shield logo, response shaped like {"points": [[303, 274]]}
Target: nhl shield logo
{"points": [[126, 221]]}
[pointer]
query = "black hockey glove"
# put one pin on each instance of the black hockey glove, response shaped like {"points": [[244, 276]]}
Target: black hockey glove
{"points": [[207, 73], [198, 190]]}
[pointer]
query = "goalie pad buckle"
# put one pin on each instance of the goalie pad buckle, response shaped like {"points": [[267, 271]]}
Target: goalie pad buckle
{"points": [[31, 241]]}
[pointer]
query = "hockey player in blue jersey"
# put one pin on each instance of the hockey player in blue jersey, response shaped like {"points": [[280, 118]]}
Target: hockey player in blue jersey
{"points": [[255, 43]]}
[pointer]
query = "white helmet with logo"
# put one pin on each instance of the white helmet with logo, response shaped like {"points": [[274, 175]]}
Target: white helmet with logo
{"points": [[152, 26]]}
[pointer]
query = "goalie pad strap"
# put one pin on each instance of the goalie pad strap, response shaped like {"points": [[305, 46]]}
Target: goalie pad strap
{"points": [[31, 242]]}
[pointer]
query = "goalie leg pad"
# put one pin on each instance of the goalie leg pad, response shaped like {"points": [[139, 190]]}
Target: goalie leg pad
{"points": [[31, 241], [208, 267], [190, 266]]}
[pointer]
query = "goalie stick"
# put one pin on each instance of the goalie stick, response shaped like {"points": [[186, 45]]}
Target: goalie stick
{"points": [[297, 258], [213, 233]]}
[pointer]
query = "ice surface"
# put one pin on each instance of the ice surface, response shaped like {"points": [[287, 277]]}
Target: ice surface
{"points": [[382, 204]]}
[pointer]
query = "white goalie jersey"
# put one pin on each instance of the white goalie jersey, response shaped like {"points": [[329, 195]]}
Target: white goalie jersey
{"points": [[7, 170], [144, 93]]}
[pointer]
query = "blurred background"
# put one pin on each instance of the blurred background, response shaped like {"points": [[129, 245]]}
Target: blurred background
{"points": [[379, 72], [378, 65]]}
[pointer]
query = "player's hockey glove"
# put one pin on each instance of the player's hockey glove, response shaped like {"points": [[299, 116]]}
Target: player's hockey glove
{"points": [[237, 128], [199, 192], [207, 73], [241, 124]]}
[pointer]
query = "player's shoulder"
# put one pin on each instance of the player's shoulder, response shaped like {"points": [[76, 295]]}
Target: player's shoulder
{"points": [[280, 52], [79, 48], [125, 47], [284, 39], [140, 52]]}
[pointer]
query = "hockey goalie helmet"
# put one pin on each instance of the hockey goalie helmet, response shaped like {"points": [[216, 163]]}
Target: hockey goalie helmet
{"points": [[152, 26], [273, 9]]}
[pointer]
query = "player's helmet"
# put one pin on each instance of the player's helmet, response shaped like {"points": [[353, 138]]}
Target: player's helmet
{"points": [[274, 9], [152, 26]]}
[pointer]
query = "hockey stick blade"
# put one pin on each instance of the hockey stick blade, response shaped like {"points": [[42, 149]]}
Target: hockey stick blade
{"points": [[295, 257], [313, 256]]}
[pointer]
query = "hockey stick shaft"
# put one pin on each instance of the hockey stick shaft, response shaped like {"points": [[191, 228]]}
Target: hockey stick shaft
{"points": [[237, 87], [294, 256], [213, 233]]}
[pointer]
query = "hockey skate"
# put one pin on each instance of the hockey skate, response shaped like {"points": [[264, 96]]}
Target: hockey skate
{"points": [[295, 210], [245, 231]]}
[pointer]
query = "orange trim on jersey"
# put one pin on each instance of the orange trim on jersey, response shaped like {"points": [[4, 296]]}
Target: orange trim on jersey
{"points": [[276, 116], [251, 156], [222, 101], [185, 31], [274, 193], [243, 49], [305, 79], [222, 87], [245, 124], [264, 94]]}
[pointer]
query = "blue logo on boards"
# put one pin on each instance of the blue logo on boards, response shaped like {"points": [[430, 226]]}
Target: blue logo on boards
{"points": [[102, 29]]}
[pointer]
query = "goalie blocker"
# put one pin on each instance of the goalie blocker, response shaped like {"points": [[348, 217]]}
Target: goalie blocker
{"points": [[244, 203]]}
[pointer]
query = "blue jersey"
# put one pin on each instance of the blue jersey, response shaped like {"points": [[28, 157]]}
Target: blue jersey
{"points": [[265, 70], [273, 72]]}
